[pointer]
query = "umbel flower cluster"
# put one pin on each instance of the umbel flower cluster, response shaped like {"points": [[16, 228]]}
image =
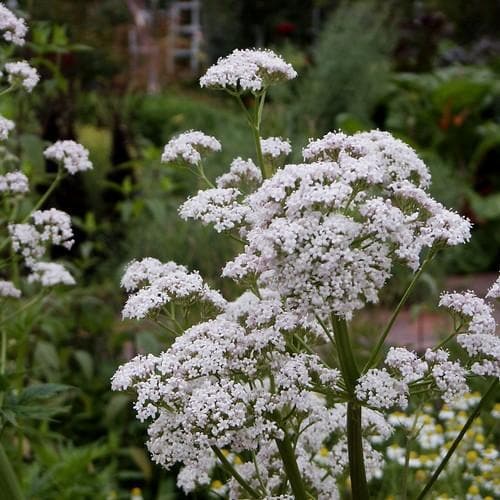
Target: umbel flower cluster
{"points": [[30, 234], [264, 397]]}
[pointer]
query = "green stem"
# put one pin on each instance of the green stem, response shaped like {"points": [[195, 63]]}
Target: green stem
{"points": [[43, 199], [291, 468], [348, 365], [350, 373], [359, 486], [459, 438], [229, 467], [374, 358]]}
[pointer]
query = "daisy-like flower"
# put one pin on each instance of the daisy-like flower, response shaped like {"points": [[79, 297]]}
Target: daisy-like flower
{"points": [[248, 70]]}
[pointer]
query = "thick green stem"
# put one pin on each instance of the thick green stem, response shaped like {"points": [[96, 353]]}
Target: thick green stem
{"points": [[348, 365], [359, 486], [350, 373], [374, 358], [291, 468], [459, 438]]}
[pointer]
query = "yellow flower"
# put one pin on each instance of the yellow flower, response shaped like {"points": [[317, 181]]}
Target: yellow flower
{"points": [[473, 490], [323, 451], [420, 475], [225, 452], [237, 460], [471, 456], [217, 485]]}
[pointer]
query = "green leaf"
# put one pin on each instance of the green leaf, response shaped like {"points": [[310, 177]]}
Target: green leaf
{"points": [[38, 392], [485, 207], [9, 484], [86, 363], [46, 359], [117, 404]]}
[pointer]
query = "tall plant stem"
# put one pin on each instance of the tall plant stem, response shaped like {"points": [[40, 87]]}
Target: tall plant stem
{"points": [[359, 486], [374, 358], [459, 438], [350, 372], [254, 122], [287, 454]]}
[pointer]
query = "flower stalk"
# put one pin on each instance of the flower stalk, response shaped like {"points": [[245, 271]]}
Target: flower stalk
{"points": [[350, 372]]}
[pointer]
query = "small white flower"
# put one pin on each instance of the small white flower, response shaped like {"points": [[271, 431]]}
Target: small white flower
{"points": [[188, 146], [24, 74], [71, 155], [50, 274], [242, 172], [14, 29], [474, 310], [494, 291], [275, 147], [406, 363], [8, 289], [248, 70], [155, 284], [6, 127], [379, 390], [14, 183]]}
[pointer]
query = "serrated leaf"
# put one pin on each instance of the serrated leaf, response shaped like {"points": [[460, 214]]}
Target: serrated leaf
{"points": [[42, 391]]}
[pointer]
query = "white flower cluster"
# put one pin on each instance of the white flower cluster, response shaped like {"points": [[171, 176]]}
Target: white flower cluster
{"points": [[212, 389], [241, 173], [449, 376], [71, 155], [379, 390], [275, 147], [14, 183], [248, 70], [49, 227], [494, 291], [8, 289], [322, 240], [6, 127], [479, 326], [20, 72], [50, 274], [477, 314], [188, 147], [217, 206], [406, 364], [155, 284], [13, 28]]}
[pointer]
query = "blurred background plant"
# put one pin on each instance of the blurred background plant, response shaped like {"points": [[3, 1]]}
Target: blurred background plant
{"points": [[417, 69]]}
